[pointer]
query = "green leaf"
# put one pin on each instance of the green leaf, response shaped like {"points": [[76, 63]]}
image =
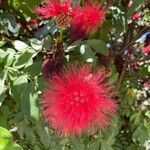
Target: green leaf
{"points": [[141, 134], [23, 61], [18, 87], [10, 56], [47, 42], [36, 44], [2, 87], [9, 23], [98, 46], [77, 144], [110, 134], [114, 78], [3, 121], [20, 46], [94, 145], [2, 43], [3, 54], [87, 54], [5, 134], [44, 134], [6, 142], [34, 69], [29, 102], [15, 146], [134, 7]]}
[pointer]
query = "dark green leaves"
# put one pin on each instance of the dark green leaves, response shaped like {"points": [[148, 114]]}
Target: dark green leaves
{"points": [[98, 46]]}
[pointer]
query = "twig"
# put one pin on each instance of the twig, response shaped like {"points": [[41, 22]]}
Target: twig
{"points": [[122, 73]]}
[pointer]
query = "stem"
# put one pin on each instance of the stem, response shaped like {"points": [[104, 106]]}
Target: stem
{"points": [[61, 34], [122, 74]]}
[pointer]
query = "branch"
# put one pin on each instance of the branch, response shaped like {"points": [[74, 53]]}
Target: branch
{"points": [[121, 75]]}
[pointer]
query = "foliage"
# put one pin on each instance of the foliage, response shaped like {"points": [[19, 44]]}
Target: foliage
{"points": [[116, 45]]}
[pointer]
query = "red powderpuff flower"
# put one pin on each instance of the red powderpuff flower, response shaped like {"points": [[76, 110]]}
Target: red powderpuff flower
{"points": [[136, 16], [78, 100], [61, 11], [146, 49], [146, 84], [90, 17]]}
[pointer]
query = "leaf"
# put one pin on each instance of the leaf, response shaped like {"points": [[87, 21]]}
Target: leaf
{"points": [[47, 42], [48, 28], [23, 61], [2, 54], [36, 44], [141, 134], [34, 69], [5, 134], [5, 144], [29, 102], [94, 145], [134, 7], [20, 46], [114, 78], [87, 54], [2, 87], [15, 146], [119, 20], [18, 87], [10, 56], [98, 46], [2, 43], [30, 136], [78, 145], [44, 134], [9, 23], [109, 135]]}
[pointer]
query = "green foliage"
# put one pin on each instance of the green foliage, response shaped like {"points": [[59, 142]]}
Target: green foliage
{"points": [[6, 141], [21, 82]]}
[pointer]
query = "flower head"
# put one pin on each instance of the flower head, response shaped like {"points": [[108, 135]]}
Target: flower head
{"points": [[146, 49], [136, 16], [78, 100], [61, 11], [90, 17]]}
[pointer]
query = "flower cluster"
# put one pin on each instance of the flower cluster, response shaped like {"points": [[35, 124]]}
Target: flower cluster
{"points": [[61, 11], [88, 17], [77, 100]]}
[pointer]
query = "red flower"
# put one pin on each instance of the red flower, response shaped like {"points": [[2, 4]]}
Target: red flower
{"points": [[146, 84], [77, 100], [136, 16], [62, 12], [146, 49], [90, 17]]}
